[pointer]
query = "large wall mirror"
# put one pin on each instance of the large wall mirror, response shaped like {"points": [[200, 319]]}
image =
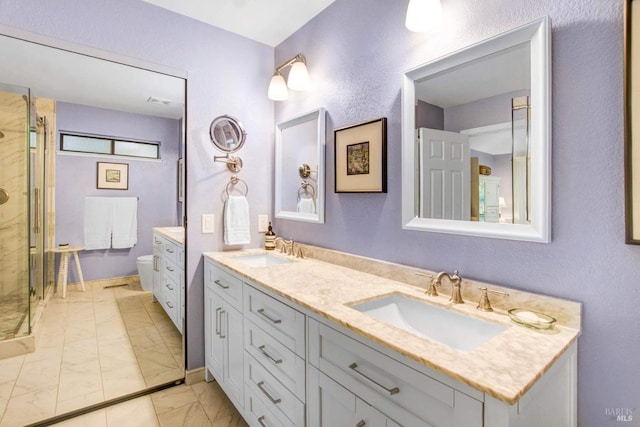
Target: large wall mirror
{"points": [[299, 191], [106, 342], [476, 129]]}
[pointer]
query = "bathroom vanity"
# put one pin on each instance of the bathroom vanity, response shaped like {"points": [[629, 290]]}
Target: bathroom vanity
{"points": [[289, 342], [168, 272]]}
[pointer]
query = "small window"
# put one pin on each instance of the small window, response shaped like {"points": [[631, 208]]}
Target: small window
{"points": [[108, 146]]}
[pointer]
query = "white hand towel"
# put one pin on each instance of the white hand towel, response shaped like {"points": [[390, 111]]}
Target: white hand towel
{"points": [[236, 221], [306, 205], [98, 220], [125, 222]]}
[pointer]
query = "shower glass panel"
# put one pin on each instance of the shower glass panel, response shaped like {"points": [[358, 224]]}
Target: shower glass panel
{"points": [[37, 147], [521, 159], [14, 211]]}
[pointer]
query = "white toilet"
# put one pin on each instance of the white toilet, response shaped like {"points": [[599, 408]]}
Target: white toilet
{"points": [[145, 270]]}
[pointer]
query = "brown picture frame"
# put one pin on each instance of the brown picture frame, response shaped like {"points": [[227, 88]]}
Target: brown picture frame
{"points": [[360, 161], [112, 176], [631, 125]]}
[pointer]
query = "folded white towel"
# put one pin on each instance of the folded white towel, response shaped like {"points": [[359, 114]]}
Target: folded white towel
{"points": [[236, 221], [98, 220], [306, 205], [125, 222]]}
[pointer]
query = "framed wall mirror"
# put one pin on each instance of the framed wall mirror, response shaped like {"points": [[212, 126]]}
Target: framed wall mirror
{"points": [[632, 126], [300, 168], [108, 341], [476, 139]]}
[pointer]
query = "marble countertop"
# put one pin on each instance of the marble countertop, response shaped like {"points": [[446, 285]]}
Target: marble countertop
{"points": [[504, 367], [174, 233]]}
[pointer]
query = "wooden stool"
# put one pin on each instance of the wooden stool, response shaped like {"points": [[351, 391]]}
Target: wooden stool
{"points": [[64, 266]]}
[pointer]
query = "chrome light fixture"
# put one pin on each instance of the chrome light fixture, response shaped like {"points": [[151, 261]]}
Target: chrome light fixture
{"points": [[423, 15], [298, 79]]}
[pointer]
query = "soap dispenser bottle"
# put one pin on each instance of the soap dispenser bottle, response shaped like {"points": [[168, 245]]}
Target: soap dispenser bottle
{"points": [[269, 238]]}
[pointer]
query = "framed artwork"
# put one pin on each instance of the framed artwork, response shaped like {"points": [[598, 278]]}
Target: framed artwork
{"points": [[632, 121], [113, 176], [361, 157]]}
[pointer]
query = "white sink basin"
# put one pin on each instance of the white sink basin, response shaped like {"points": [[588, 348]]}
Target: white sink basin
{"points": [[262, 260], [455, 330]]}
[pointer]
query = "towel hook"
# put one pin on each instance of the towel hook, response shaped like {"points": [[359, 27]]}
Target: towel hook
{"points": [[233, 181]]}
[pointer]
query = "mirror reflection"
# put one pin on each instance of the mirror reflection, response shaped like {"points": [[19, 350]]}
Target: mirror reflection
{"points": [[113, 338], [299, 167], [472, 136], [227, 133], [476, 139]]}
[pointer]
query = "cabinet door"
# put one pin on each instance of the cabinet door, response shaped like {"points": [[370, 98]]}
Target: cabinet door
{"points": [[331, 405], [214, 351], [231, 333]]}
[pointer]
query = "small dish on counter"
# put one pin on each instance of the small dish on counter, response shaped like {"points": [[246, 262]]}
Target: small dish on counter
{"points": [[531, 319]]}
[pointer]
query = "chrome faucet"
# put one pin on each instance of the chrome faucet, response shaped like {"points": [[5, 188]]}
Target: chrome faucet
{"points": [[456, 281]]}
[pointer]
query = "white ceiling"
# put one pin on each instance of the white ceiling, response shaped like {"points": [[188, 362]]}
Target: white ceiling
{"points": [[267, 21]]}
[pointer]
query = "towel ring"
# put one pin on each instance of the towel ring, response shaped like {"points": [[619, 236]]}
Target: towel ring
{"points": [[304, 185], [233, 181]]}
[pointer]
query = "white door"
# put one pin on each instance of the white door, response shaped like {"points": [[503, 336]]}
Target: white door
{"points": [[445, 187]]}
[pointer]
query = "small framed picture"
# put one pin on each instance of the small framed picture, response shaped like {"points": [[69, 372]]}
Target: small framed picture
{"points": [[361, 157], [113, 176]]}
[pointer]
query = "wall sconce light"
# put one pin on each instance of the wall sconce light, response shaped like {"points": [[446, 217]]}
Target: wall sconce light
{"points": [[298, 79], [423, 15]]}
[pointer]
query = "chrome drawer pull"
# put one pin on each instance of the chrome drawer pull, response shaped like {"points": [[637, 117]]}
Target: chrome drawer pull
{"points": [[170, 250], [219, 283], [260, 421], [221, 313], [361, 424], [391, 391], [217, 321], [169, 268], [168, 287], [266, 393], [268, 356], [276, 321], [169, 304]]}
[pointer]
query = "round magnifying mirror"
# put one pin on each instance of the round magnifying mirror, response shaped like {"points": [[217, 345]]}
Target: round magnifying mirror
{"points": [[227, 133]]}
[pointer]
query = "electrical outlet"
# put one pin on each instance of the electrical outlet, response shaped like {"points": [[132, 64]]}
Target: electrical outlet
{"points": [[207, 223], [263, 223]]}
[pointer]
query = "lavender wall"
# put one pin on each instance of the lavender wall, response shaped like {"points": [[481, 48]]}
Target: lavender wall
{"points": [[429, 116], [488, 111], [227, 74], [587, 260], [154, 182]]}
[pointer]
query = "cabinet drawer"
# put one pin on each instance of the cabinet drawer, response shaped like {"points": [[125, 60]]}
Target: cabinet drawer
{"points": [[224, 284], [274, 396], [259, 414], [171, 251], [173, 271], [170, 299], [397, 390], [283, 363], [276, 318]]}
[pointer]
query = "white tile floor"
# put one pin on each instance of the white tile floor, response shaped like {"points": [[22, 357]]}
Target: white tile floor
{"points": [[90, 347]]}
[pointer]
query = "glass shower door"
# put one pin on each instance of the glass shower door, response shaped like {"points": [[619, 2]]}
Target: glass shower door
{"points": [[14, 211]]}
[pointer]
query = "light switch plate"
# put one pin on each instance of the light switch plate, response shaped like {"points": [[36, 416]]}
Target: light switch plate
{"points": [[263, 223], [207, 223]]}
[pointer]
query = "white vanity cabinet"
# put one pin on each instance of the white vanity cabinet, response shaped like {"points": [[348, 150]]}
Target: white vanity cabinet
{"points": [[224, 353], [168, 277], [294, 367]]}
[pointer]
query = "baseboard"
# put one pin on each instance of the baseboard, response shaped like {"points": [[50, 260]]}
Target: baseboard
{"points": [[194, 376]]}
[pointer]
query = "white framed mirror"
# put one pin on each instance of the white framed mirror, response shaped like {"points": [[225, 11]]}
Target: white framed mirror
{"points": [[299, 167], [476, 139]]}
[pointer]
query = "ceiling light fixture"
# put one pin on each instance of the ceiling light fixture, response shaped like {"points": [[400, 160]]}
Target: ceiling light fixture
{"points": [[298, 78], [423, 15]]}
